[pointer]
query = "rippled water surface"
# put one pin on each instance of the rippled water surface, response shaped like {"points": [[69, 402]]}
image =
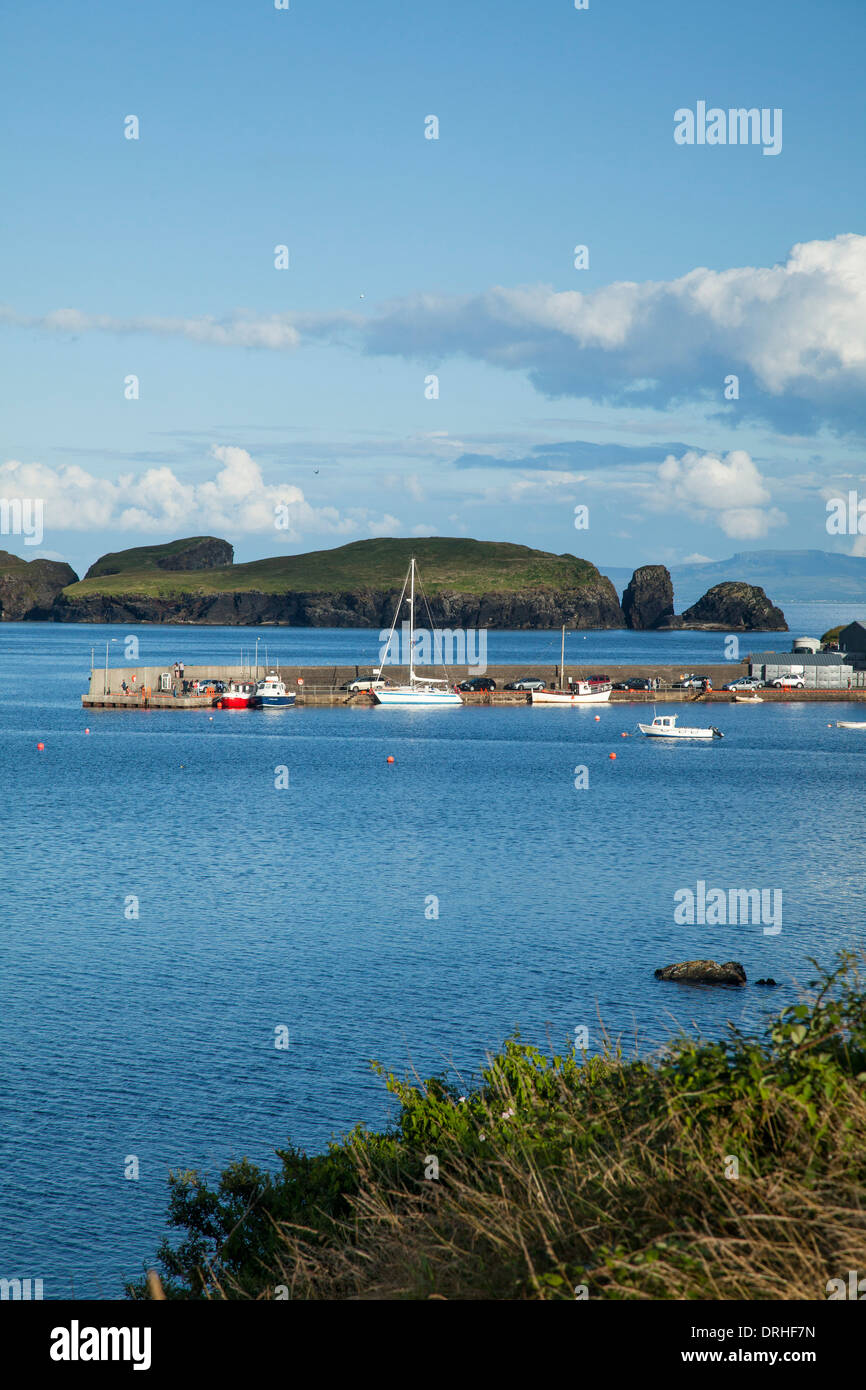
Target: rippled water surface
{"points": [[306, 907]]}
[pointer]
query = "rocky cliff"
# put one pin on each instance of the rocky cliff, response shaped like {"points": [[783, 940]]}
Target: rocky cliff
{"points": [[29, 590], [649, 597], [732, 607], [595, 605]]}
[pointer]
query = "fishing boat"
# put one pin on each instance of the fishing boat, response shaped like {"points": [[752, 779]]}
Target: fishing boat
{"points": [[581, 693], [849, 724], [578, 693], [422, 692], [238, 696], [271, 693], [665, 726]]}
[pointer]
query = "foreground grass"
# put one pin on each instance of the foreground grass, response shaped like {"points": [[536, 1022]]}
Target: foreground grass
{"points": [[569, 1176]]}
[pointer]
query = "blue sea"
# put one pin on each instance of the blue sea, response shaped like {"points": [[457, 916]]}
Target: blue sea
{"points": [[313, 907]]}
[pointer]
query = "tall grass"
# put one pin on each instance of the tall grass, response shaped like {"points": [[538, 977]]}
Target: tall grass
{"points": [[719, 1170]]}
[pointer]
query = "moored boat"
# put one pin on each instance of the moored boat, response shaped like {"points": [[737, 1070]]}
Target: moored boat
{"points": [[748, 700], [665, 726], [581, 693], [423, 692], [238, 696], [271, 693], [578, 693], [849, 724]]}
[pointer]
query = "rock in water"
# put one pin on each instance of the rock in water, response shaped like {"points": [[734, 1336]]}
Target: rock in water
{"points": [[649, 598], [733, 607], [704, 972]]}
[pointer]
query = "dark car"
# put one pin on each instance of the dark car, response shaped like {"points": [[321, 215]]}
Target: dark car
{"points": [[598, 680], [478, 683], [634, 683], [526, 683]]}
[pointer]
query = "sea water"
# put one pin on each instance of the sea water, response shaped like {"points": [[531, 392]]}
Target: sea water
{"points": [[181, 890]]}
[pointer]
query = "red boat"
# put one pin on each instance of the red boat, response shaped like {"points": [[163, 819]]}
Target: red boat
{"points": [[238, 696]]}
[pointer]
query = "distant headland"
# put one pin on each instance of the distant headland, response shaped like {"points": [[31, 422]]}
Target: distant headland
{"points": [[468, 584]]}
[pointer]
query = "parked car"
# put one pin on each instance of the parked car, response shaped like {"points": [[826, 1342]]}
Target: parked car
{"points": [[787, 683], [368, 683], [526, 683], [691, 682], [478, 683], [744, 683], [598, 680]]}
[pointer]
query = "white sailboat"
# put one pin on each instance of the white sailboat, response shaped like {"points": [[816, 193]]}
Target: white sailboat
{"points": [[580, 693], [421, 691]]}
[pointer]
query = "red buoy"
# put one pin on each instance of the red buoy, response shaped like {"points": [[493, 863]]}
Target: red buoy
{"points": [[611, 755], [390, 758], [41, 747]]}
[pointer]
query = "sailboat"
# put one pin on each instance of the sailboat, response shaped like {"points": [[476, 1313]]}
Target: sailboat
{"points": [[421, 691], [579, 693]]}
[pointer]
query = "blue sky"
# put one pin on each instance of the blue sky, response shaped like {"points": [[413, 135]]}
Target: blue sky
{"points": [[412, 257]]}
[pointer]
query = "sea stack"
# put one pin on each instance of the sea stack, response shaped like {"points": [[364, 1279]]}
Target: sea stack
{"points": [[732, 607], [649, 598]]}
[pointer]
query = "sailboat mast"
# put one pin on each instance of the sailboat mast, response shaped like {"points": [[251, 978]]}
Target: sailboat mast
{"points": [[411, 620], [562, 660]]}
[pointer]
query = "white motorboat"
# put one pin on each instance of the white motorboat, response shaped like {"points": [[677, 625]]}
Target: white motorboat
{"points": [[849, 724], [271, 693], [424, 692], [748, 700], [581, 693], [665, 726]]}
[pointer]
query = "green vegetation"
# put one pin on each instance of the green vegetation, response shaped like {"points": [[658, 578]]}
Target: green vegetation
{"points": [[832, 634], [467, 566], [142, 559], [568, 1171]]}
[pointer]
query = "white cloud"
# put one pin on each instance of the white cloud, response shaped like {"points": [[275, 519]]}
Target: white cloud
{"points": [[794, 334], [235, 500], [728, 491]]}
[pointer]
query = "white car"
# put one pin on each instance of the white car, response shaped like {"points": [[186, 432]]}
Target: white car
{"points": [[368, 683], [788, 683]]}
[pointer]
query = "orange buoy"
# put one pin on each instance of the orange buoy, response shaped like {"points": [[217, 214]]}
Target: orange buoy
{"points": [[87, 731], [597, 717], [390, 758], [611, 755], [623, 735], [41, 747]]}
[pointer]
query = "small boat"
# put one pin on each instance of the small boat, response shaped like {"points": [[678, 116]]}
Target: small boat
{"points": [[238, 696], [748, 700], [271, 693], [421, 691], [581, 693], [665, 726], [849, 724]]}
